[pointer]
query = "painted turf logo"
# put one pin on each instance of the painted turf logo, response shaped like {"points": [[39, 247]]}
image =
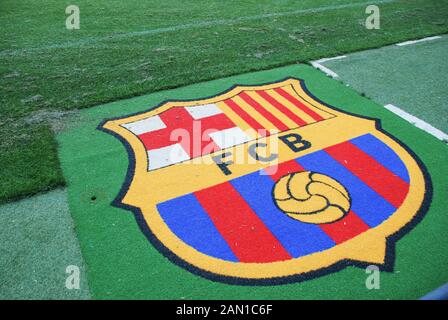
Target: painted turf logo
{"points": [[323, 187]]}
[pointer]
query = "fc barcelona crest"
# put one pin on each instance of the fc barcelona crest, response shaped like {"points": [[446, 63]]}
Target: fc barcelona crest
{"points": [[267, 182]]}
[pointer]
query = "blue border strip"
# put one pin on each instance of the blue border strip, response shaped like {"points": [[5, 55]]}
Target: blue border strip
{"points": [[440, 293]]}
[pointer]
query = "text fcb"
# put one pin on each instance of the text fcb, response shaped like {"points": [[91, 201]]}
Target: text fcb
{"points": [[266, 183]]}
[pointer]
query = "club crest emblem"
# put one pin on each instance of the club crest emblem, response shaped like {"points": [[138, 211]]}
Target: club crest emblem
{"points": [[266, 183]]}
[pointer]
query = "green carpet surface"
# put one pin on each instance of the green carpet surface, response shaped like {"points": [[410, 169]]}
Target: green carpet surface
{"points": [[121, 263]]}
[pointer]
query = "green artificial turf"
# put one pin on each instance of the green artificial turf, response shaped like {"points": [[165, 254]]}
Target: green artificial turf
{"points": [[37, 243], [123, 264], [411, 77], [128, 48]]}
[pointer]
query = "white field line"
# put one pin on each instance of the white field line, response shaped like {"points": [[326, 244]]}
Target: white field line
{"points": [[406, 43], [418, 122], [198, 24], [330, 59], [329, 72], [318, 64]]}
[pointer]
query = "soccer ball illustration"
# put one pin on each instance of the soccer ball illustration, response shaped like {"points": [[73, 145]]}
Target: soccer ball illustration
{"points": [[311, 197]]}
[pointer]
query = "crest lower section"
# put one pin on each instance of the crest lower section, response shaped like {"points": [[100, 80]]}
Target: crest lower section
{"points": [[239, 220]]}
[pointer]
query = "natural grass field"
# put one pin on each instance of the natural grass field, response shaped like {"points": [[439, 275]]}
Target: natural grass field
{"points": [[128, 48]]}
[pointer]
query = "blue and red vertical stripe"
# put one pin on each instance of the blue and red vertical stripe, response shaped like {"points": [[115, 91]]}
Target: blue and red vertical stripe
{"points": [[238, 220]]}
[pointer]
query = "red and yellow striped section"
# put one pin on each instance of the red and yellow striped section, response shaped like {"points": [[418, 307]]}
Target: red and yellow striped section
{"points": [[264, 112]]}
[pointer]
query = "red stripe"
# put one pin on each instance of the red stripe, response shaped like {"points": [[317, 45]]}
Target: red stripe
{"points": [[299, 104], [266, 96], [247, 117], [375, 175], [282, 169], [265, 113], [346, 228], [247, 236]]}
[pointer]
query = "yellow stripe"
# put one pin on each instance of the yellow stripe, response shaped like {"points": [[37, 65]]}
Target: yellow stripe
{"points": [[310, 103], [256, 115], [237, 120], [271, 109], [291, 106]]}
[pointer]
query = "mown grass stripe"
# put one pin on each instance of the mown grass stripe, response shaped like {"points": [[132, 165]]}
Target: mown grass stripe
{"points": [[198, 24]]}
